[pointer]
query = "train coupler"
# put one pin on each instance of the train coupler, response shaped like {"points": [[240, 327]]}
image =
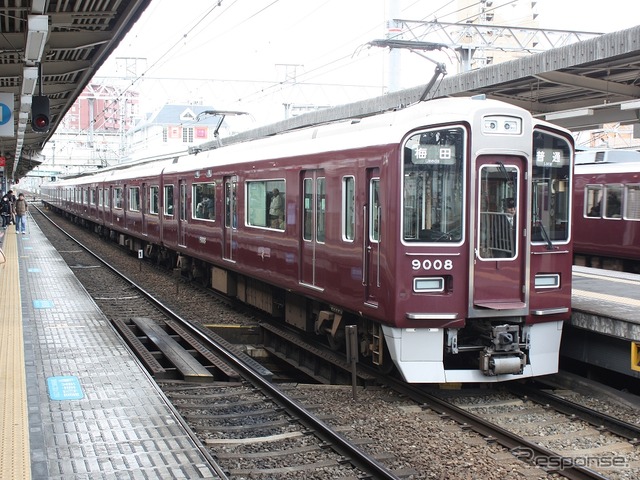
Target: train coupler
{"points": [[492, 364], [503, 356]]}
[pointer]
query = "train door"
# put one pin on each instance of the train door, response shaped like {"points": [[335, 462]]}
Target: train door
{"points": [[230, 217], [143, 207], [126, 192], [313, 226], [371, 238], [100, 204], [500, 249], [108, 205], [182, 213]]}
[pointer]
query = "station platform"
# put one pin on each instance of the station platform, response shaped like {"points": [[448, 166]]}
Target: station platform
{"points": [[74, 401], [605, 322]]}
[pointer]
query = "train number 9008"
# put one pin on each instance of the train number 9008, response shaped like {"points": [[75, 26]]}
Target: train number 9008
{"points": [[429, 264]]}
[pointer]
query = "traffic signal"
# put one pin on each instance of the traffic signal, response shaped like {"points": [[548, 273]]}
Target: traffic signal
{"points": [[40, 119]]}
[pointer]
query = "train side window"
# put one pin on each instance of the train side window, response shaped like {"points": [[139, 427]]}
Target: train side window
{"points": [[613, 201], [632, 202], [321, 198], [92, 196], [375, 211], [307, 209], [168, 200], [266, 204], [593, 200], [348, 208], [203, 198], [183, 201], [117, 197], [153, 199], [101, 197], [134, 199]]}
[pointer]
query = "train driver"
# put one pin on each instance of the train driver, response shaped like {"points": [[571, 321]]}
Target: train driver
{"points": [[510, 209]]}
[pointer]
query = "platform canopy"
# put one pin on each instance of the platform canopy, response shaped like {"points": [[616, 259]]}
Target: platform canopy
{"points": [[61, 43]]}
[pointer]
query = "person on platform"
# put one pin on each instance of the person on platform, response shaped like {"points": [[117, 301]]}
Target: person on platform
{"points": [[12, 201], [21, 209], [6, 209]]}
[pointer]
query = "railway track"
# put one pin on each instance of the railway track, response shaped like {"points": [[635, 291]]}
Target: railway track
{"points": [[541, 394], [559, 435], [547, 461], [280, 414]]}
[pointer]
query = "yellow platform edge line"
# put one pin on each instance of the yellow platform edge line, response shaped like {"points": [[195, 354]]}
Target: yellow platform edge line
{"points": [[15, 457]]}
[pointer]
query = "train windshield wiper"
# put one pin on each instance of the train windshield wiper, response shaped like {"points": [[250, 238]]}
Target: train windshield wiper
{"points": [[503, 171], [545, 235]]}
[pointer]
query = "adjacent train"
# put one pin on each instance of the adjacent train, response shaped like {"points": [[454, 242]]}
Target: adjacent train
{"points": [[607, 210], [441, 230]]}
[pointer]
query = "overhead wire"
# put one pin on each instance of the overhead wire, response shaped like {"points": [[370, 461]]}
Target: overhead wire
{"points": [[97, 116], [171, 51], [319, 70], [304, 78]]}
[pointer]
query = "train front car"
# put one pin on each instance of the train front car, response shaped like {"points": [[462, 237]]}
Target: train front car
{"points": [[483, 282]]}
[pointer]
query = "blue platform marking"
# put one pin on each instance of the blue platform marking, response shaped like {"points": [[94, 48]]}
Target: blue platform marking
{"points": [[34, 270], [43, 304], [28, 248], [64, 388]]}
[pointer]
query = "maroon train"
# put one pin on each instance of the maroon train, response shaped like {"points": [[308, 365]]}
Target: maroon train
{"points": [[397, 223], [607, 210]]}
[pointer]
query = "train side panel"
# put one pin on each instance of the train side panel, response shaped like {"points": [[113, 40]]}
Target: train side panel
{"points": [[607, 215]]}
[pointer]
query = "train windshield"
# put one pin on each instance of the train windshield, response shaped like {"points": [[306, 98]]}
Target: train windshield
{"points": [[433, 177], [550, 192]]}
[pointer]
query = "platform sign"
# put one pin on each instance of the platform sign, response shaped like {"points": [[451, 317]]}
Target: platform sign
{"points": [[64, 388], [7, 106]]}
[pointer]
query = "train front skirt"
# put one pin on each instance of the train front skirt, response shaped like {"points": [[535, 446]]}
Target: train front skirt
{"points": [[418, 354]]}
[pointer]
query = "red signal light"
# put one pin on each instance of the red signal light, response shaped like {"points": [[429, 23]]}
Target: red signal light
{"points": [[41, 122], [40, 116]]}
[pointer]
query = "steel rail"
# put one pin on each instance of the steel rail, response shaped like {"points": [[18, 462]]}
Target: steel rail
{"points": [[597, 419], [518, 446], [340, 444], [201, 448]]}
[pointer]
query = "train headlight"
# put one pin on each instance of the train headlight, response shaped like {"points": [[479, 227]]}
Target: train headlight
{"points": [[502, 125], [428, 284], [549, 280]]}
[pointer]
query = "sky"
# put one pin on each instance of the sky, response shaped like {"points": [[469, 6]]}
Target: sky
{"points": [[260, 55]]}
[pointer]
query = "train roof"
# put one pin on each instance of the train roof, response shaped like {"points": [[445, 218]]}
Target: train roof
{"points": [[607, 156], [601, 168], [382, 129]]}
